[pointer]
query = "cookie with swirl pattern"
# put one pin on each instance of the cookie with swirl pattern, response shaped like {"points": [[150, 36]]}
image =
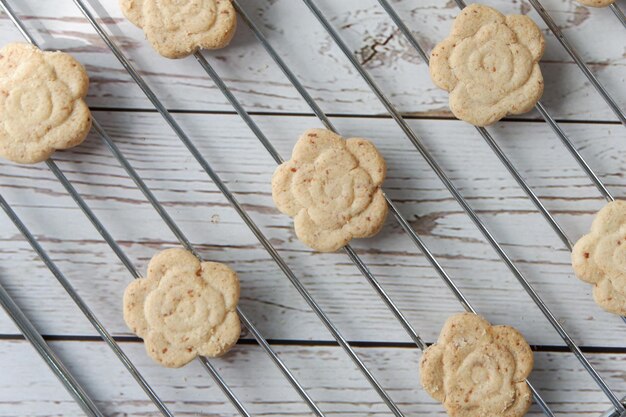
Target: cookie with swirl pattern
{"points": [[178, 28], [332, 187], [184, 308], [489, 64], [599, 257], [42, 105], [476, 369]]}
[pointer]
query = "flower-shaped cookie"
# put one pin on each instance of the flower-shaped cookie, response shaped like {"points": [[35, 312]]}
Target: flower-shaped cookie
{"points": [[599, 257], [184, 308], [596, 3], [333, 189], [476, 369], [489, 64], [41, 103], [178, 28]]}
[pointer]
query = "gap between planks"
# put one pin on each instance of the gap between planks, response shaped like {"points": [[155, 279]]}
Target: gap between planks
{"points": [[313, 343], [409, 116]]}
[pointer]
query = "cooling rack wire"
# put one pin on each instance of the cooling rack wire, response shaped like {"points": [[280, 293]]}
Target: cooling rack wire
{"points": [[80, 394]]}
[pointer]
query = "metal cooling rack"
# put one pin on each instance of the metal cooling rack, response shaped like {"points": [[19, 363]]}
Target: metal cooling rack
{"points": [[74, 387]]}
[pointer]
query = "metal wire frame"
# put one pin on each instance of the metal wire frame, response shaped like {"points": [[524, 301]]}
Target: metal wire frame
{"points": [[242, 213], [435, 261], [542, 110], [411, 135], [84, 308], [539, 106], [558, 33], [618, 13], [60, 276], [184, 241], [50, 358], [118, 251], [498, 151], [327, 123], [508, 164], [135, 273], [323, 118], [181, 237], [81, 304], [279, 159]]}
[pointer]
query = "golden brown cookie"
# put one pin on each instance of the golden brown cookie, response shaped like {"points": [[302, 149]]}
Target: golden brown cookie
{"points": [[184, 308], [332, 187], [596, 3], [489, 64], [178, 28], [599, 257], [476, 369], [41, 103]]}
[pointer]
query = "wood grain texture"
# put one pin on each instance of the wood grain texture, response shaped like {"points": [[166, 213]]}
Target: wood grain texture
{"points": [[272, 303], [320, 65], [325, 372], [280, 312]]}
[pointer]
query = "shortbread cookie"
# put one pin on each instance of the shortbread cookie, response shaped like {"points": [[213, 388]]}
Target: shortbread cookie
{"points": [[333, 189], [178, 28], [489, 64], [477, 370], [599, 258], [41, 103], [184, 308], [596, 3]]}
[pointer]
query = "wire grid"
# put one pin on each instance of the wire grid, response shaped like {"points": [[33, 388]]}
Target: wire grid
{"points": [[76, 389]]}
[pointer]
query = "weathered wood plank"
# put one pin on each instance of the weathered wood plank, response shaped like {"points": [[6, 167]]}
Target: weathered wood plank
{"points": [[267, 295], [27, 387], [261, 86]]}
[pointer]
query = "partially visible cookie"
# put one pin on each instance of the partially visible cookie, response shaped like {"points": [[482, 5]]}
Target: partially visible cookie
{"points": [[178, 28], [42, 105], [332, 187], [599, 257], [596, 3], [476, 369], [489, 64], [184, 308]]}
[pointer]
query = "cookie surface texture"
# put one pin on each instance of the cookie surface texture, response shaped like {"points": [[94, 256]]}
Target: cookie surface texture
{"points": [[596, 3], [332, 188], [476, 369], [184, 308], [489, 64], [178, 28], [599, 257], [42, 105]]}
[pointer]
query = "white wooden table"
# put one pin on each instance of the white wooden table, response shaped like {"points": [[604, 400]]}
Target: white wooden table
{"points": [[28, 388]]}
